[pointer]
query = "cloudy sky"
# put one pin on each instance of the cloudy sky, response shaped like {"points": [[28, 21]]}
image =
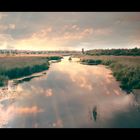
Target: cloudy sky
{"points": [[69, 30]]}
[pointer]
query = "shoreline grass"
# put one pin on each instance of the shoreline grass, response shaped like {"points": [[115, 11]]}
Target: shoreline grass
{"points": [[17, 67], [125, 69]]}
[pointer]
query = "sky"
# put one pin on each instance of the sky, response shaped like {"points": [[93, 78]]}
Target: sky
{"points": [[69, 30]]}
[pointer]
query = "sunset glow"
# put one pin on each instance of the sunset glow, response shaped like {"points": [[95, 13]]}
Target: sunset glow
{"points": [[69, 30]]}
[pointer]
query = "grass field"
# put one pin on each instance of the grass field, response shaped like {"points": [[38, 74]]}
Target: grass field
{"points": [[16, 67], [126, 69]]}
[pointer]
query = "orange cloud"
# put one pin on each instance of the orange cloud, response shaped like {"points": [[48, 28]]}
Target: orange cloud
{"points": [[6, 27], [11, 111], [75, 27], [104, 31], [135, 40], [49, 92], [48, 39], [74, 35], [12, 26], [27, 110], [21, 110], [42, 33], [6, 40]]}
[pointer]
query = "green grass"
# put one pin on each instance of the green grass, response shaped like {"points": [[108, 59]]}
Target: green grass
{"points": [[16, 67], [3, 80], [126, 69], [91, 61]]}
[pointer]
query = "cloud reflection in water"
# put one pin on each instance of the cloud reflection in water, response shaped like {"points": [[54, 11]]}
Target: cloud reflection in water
{"points": [[67, 96]]}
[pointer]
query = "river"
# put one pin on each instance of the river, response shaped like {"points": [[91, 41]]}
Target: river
{"points": [[70, 95]]}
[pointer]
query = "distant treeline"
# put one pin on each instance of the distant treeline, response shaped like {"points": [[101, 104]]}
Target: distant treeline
{"points": [[117, 52], [16, 52]]}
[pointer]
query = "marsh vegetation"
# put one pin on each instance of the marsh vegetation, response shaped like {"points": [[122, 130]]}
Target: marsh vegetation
{"points": [[115, 52], [16, 67], [126, 69]]}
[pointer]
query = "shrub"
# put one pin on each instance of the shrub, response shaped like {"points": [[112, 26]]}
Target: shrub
{"points": [[3, 80], [128, 75]]}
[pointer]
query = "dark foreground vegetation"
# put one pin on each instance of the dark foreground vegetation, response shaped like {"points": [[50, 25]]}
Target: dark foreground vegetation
{"points": [[126, 69], [16, 67], [116, 52]]}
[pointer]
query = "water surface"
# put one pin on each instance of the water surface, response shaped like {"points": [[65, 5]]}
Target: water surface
{"points": [[70, 95]]}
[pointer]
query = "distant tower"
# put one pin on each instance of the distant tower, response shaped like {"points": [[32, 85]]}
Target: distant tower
{"points": [[83, 51]]}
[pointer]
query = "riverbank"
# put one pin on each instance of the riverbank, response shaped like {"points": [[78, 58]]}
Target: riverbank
{"points": [[16, 67], [126, 69]]}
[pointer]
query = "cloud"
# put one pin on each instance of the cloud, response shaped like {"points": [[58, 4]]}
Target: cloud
{"points": [[67, 33], [27, 110], [75, 35], [11, 111], [134, 40], [75, 27], [12, 26], [103, 31], [6, 40], [2, 15], [3, 27], [23, 110], [67, 30], [50, 38], [6, 27], [72, 32], [132, 17], [48, 92], [44, 33]]}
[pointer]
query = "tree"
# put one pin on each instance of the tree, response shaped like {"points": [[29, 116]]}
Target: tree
{"points": [[83, 51]]}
